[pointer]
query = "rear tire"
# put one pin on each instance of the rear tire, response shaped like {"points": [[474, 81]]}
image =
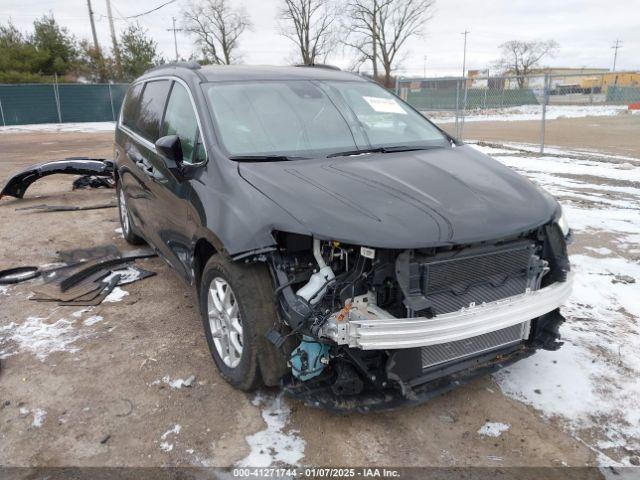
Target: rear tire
{"points": [[236, 332], [125, 218]]}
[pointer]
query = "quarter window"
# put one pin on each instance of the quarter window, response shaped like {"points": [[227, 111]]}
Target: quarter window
{"points": [[180, 120], [152, 104], [131, 104]]}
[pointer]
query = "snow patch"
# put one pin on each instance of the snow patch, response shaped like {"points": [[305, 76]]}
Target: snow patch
{"points": [[276, 444], [550, 149], [92, 320], [592, 383], [38, 417], [88, 127], [4, 290], [531, 112], [116, 295], [493, 429], [176, 384], [127, 275], [37, 336], [166, 447], [79, 313], [175, 430], [600, 250]]}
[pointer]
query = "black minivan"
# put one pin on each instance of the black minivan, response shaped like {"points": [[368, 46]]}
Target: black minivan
{"points": [[341, 244]]}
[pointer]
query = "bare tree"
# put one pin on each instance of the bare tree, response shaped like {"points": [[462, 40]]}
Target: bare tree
{"points": [[310, 24], [363, 31], [521, 57], [399, 21], [217, 27], [380, 29]]}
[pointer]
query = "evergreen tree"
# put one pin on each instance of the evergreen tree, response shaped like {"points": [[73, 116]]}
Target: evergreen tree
{"points": [[139, 52]]}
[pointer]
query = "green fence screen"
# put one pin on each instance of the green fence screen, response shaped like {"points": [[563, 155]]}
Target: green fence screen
{"points": [[623, 95], [28, 104], [61, 103], [445, 99]]}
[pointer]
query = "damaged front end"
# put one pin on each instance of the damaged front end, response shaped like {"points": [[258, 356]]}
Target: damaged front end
{"points": [[368, 329], [18, 184]]}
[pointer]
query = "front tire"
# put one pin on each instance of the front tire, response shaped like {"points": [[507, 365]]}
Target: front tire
{"points": [[125, 218], [237, 311]]}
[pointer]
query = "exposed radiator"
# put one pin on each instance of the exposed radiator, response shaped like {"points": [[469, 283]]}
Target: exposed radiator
{"points": [[452, 282], [446, 352]]}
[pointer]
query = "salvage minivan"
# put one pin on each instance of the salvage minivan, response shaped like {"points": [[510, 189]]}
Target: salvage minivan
{"points": [[341, 245]]}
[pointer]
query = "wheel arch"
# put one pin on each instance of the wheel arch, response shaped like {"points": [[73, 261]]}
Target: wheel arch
{"points": [[202, 252]]}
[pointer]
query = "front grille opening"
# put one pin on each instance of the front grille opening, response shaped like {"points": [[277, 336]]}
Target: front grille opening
{"points": [[433, 355], [450, 284]]}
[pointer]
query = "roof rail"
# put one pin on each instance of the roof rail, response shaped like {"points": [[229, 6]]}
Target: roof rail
{"points": [[191, 65], [318, 65]]}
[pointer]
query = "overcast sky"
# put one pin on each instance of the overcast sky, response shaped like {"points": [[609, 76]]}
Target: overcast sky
{"points": [[585, 30]]}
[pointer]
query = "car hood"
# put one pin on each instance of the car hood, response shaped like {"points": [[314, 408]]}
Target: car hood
{"points": [[404, 200]]}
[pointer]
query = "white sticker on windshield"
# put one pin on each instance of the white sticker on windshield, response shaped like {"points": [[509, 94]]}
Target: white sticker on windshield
{"points": [[385, 105]]}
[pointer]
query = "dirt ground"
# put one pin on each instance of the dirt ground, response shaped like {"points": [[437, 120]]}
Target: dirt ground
{"points": [[106, 405], [616, 135]]}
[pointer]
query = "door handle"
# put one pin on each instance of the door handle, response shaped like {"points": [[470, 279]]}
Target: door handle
{"points": [[141, 163], [135, 157], [144, 165]]}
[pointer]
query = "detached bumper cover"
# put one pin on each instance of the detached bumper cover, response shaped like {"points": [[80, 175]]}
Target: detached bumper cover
{"points": [[397, 333], [17, 185]]}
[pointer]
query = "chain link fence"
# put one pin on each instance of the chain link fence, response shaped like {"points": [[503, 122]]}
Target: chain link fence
{"points": [[60, 103], [452, 101]]}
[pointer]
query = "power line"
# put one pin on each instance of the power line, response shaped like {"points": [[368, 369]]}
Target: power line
{"points": [[115, 7], [152, 10]]}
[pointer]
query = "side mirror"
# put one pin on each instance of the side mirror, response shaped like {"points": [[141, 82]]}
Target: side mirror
{"points": [[169, 146]]}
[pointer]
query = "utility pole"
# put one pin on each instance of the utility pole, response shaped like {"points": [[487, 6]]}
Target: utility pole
{"points": [[464, 54], [615, 48], [374, 40], [93, 27], [175, 38], [464, 69], [95, 42], [424, 68], [114, 41]]}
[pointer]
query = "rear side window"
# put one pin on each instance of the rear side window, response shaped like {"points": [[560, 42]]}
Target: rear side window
{"points": [[180, 120], [152, 103], [130, 107]]}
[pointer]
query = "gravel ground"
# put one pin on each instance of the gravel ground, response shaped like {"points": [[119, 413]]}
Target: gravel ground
{"points": [[615, 135], [101, 386]]}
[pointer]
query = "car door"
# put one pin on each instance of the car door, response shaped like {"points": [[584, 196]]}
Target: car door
{"points": [[172, 191], [132, 177], [143, 154]]}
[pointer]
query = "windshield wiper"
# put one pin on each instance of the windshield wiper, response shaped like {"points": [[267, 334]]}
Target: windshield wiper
{"points": [[264, 158], [397, 148]]}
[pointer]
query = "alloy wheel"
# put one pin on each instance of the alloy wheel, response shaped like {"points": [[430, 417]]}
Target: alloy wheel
{"points": [[124, 213], [224, 322]]}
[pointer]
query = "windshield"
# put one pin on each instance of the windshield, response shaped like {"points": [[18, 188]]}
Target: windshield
{"points": [[302, 118]]}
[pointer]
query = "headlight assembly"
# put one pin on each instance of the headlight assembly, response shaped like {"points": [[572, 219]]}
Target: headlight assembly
{"points": [[562, 223]]}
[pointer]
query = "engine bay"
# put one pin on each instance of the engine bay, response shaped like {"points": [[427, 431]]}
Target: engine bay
{"points": [[327, 289]]}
